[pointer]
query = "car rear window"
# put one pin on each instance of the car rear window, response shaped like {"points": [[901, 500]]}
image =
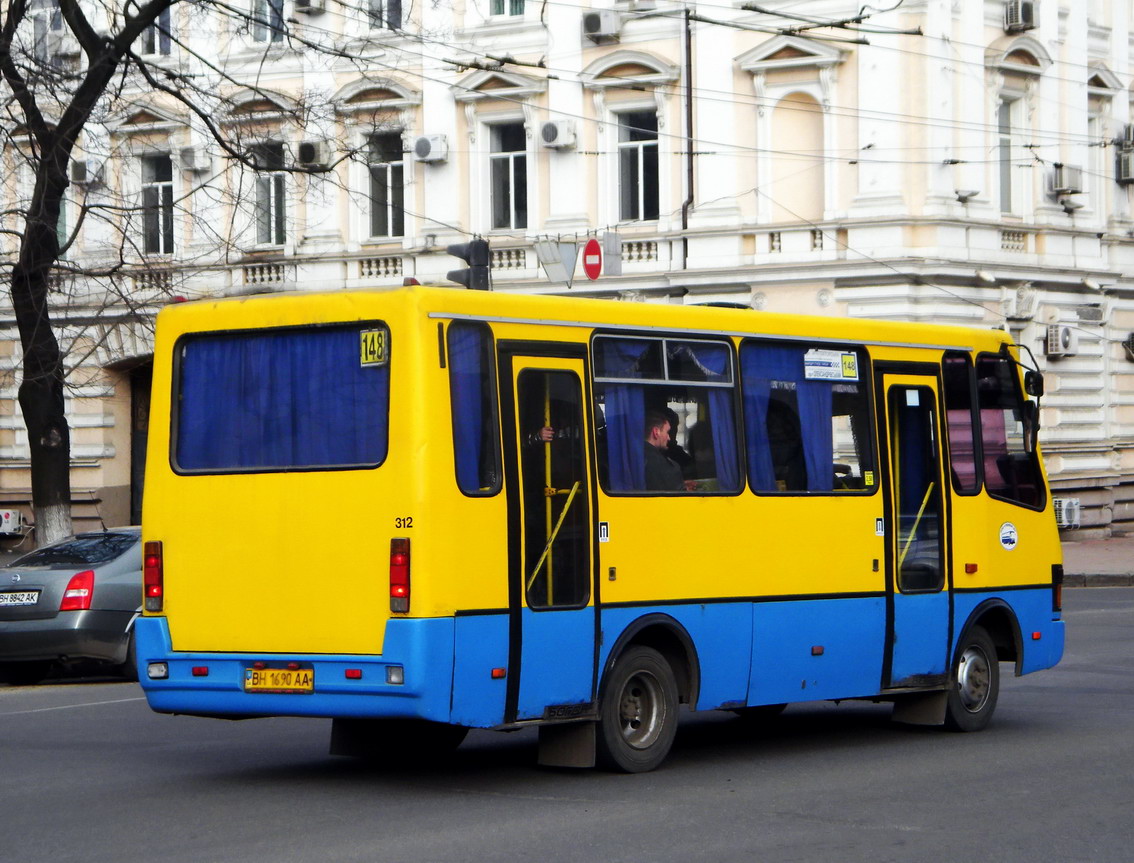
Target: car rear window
{"points": [[87, 549]]}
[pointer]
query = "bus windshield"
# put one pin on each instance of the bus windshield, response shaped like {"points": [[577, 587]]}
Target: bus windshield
{"points": [[283, 399]]}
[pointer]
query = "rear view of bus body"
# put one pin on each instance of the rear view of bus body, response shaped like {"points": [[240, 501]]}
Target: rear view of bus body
{"points": [[425, 510]]}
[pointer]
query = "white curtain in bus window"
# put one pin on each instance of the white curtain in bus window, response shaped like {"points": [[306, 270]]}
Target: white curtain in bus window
{"points": [[475, 436], [283, 399], [1010, 471], [807, 419], [689, 383]]}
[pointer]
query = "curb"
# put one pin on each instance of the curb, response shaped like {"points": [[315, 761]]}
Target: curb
{"points": [[1099, 580]]}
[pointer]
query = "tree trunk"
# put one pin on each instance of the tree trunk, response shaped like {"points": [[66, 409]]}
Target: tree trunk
{"points": [[41, 389]]}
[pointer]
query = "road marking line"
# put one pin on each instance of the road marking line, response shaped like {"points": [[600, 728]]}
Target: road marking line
{"points": [[72, 706]]}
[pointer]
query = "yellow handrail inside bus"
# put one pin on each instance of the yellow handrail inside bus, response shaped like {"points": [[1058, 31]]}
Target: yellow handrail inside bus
{"points": [[917, 521], [551, 538]]}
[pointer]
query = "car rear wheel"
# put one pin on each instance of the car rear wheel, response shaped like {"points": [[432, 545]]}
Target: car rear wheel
{"points": [[24, 673]]}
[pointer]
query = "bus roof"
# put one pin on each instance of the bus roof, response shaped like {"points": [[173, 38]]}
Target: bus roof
{"points": [[443, 303]]}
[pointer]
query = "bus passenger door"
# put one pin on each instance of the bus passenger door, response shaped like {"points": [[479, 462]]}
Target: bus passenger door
{"points": [[552, 649], [918, 612]]}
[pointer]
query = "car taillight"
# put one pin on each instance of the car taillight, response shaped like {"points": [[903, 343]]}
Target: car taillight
{"points": [[399, 575], [80, 589], [153, 576]]}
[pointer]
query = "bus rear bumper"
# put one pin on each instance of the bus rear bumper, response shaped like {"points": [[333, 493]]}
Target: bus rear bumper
{"points": [[419, 653]]}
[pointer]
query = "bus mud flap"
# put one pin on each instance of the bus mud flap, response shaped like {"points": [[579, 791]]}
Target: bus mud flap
{"points": [[927, 709], [570, 744]]}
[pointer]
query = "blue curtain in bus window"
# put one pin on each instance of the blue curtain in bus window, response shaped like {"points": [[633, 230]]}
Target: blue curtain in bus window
{"points": [[625, 408], [466, 350], [280, 400], [760, 366], [818, 436], [716, 359]]}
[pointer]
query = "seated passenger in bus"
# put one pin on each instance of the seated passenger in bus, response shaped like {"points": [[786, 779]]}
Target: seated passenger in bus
{"points": [[662, 473]]}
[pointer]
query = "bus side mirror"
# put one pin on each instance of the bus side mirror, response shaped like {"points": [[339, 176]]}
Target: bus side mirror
{"points": [[1031, 425], [1033, 383]]}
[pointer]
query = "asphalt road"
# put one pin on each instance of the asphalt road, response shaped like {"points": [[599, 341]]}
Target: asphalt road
{"points": [[88, 773]]}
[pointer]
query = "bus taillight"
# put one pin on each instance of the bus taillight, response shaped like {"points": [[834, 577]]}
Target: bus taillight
{"points": [[399, 575], [1057, 587], [153, 576]]}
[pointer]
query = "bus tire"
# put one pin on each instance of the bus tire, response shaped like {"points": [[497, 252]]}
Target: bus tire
{"points": [[638, 713], [975, 683]]}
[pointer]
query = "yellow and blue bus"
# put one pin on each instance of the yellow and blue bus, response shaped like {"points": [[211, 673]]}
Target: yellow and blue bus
{"points": [[422, 510]]}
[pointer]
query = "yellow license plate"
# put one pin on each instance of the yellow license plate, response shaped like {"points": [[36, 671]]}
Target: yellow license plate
{"points": [[279, 680]]}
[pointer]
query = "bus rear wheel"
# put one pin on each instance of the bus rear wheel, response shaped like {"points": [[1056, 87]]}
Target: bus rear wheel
{"points": [[975, 684], [638, 716]]}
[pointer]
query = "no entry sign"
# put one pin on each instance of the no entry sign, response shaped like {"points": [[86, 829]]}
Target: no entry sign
{"points": [[592, 259]]}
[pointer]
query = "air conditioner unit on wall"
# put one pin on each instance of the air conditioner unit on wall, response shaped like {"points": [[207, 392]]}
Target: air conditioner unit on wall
{"points": [[194, 159], [313, 154], [557, 134], [11, 520], [309, 7], [1068, 512], [1062, 341], [85, 172], [431, 148], [1124, 166], [1066, 179], [602, 25], [1019, 15]]}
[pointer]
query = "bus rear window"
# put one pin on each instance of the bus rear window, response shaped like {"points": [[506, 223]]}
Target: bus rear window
{"points": [[282, 399]]}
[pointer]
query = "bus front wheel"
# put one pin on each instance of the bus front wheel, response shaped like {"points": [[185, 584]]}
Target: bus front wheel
{"points": [[975, 684], [638, 716]]}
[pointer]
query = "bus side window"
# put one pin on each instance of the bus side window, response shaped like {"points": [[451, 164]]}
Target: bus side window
{"points": [[688, 384], [807, 418], [957, 373], [1011, 472], [475, 429]]}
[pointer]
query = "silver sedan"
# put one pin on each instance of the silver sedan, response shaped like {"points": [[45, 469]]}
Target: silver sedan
{"points": [[71, 603]]}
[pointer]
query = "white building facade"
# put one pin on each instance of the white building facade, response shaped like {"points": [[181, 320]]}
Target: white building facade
{"points": [[961, 161]]}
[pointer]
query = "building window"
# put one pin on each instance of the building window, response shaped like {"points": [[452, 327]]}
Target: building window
{"points": [[508, 162], [384, 14], [268, 20], [387, 185], [47, 18], [270, 201], [638, 166], [157, 205], [1008, 126], [157, 38], [507, 7]]}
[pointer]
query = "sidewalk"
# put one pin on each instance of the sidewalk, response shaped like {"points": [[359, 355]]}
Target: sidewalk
{"points": [[1099, 562]]}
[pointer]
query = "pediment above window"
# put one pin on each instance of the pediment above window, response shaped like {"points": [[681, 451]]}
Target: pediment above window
{"points": [[246, 106], [375, 94], [626, 69], [789, 52], [1101, 81], [497, 84], [144, 117], [1023, 56]]}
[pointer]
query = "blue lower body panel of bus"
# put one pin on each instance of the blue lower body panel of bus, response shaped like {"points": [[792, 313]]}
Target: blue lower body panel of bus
{"points": [[419, 653]]}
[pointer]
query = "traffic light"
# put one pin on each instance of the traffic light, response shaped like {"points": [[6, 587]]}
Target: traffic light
{"points": [[475, 254]]}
